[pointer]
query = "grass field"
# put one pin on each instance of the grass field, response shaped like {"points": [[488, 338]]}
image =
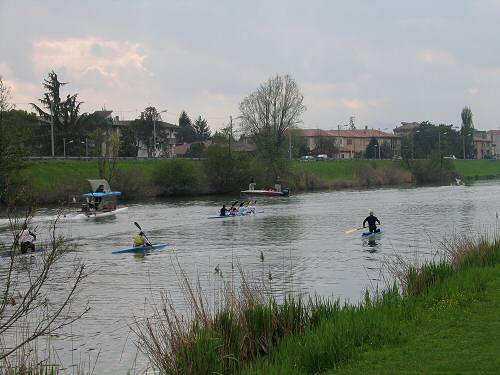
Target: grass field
{"points": [[478, 168]]}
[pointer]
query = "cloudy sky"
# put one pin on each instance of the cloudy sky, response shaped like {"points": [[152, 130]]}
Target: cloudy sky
{"points": [[381, 61]]}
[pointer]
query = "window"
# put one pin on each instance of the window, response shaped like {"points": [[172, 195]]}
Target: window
{"points": [[349, 141]]}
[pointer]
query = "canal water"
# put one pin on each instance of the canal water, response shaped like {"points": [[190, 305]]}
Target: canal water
{"points": [[302, 240]]}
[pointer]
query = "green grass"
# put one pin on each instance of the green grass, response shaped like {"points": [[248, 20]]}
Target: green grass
{"points": [[332, 170], [48, 174], [478, 168], [449, 326]]}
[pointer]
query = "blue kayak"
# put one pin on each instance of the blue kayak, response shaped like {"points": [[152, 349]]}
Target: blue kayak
{"points": [[141, 249], [370, 234], [230, 216]]}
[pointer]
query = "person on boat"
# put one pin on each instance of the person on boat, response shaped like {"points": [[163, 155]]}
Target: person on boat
{"points": [[251, 186], [141, 240], [224, 211], [371, 220], [277, 184], [242, 210], [24, 241]]}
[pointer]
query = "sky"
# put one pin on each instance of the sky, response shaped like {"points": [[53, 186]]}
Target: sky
{"points": [[383, 62]]}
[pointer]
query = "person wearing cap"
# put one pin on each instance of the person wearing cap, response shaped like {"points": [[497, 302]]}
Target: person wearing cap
{"points": [[371, 220], [141, 240]]}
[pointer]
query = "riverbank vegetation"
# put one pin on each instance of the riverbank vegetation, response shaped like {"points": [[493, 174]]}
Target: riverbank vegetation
{"points": [[55, 180], [441, 307]]}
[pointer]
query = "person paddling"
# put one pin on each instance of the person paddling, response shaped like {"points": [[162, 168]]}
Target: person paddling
{"points": [[141, 240], [23, 239], [372, 220], [224, 211]]}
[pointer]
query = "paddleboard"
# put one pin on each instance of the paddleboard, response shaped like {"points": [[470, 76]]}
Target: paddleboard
{"points": [[370, 234], [141, 249]]}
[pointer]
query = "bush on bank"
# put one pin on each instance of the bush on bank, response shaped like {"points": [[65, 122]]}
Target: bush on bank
{"points": [[178, 177]]}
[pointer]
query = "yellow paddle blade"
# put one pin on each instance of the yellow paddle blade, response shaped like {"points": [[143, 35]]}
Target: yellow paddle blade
{"points": [[352, 230]]}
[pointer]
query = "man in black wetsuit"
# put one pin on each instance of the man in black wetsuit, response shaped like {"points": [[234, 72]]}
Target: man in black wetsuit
{"points": [[223, 210], [371, 220]]}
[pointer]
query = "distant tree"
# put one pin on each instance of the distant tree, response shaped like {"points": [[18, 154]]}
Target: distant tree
{"points": [[386, 150], [267, 114], [272, 109], [143, 128], [129, 143], [327, 146], [371, 151], [65, 114], [467, 134], [5, 97], [197, 150], [202, 129], [186, 132]]}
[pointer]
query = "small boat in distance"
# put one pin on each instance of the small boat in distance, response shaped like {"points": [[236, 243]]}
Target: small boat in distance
{"points": [[267, 193], [101, 202]]}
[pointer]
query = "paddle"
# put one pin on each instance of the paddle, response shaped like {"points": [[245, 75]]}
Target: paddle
{"points": [[139, 227], [353, 230]]}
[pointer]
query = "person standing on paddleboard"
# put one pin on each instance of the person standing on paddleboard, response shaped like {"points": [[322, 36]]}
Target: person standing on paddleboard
{"points": [[371, 220]]}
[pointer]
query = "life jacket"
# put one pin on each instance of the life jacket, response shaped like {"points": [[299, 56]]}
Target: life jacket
{"points": [[138, 240]]}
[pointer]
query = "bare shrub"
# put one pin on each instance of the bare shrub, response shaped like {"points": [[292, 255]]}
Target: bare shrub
{"points": [[36, 297]]}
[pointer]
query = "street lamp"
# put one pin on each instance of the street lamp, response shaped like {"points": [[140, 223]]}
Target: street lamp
{"points": [[64, 146], [154, 131]]}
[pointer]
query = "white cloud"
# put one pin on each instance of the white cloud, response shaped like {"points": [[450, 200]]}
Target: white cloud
{"points": [[90, 56]]}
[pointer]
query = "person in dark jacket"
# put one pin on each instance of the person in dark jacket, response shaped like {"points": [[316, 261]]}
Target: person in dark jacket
{"points": [[371, 220]]}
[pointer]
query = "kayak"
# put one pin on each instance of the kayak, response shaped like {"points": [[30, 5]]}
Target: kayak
{"points": [[141, 249], [370, 234], [230, 216]]}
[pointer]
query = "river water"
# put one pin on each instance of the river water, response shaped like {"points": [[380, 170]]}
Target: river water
{"points": [[302, 239]]}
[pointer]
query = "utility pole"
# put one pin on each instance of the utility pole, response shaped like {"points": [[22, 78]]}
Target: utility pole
{"points": [[289, 144]]}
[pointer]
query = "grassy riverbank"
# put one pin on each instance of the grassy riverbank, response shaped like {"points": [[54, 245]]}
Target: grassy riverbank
{"points": [[446, 321], [443, 319], [55, 180]]}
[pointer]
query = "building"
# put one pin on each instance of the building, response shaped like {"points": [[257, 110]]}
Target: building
{"points": [[406, 128], [495, 143], [352, 143], [482, 144]]}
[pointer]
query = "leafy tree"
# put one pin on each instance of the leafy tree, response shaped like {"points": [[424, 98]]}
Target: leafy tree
{"points": [[202, 129], [129, 143], [177, 177], [197, 150], [467, 134], [386, 150], [12, 145], [371, 151], [64, 114], [186, 132], [143, 128], [226, 171]]}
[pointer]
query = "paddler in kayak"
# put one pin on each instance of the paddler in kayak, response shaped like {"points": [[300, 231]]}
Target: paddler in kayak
{"points": [[372, 220], [224, 211], [141, 240]]}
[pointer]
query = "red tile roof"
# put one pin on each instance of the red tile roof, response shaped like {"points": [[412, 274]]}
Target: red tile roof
{"points": [[357, 133]]}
